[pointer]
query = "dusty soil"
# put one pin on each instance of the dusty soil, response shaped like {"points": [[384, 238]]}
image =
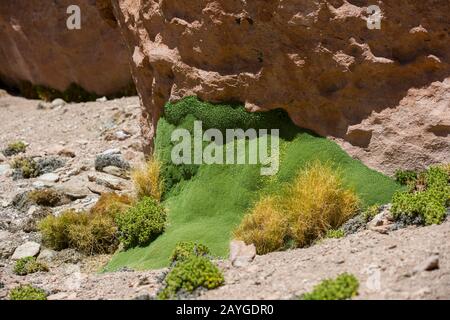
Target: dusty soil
{"points": [[387, 265], [383, 264]]}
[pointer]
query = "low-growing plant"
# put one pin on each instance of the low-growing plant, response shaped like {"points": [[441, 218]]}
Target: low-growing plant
{"points": [[429, 204], [46, 197], [26, 167], [27, 292], [111, 204], [266, 226], [190, 274], [148, 181], [141, 223], [335, 234], [405, 177], [314, 203], [345, 286], [186, 249], [97, 235], [29, 265], [87, 232], [446, 168], [371, 212], [14, 148]]}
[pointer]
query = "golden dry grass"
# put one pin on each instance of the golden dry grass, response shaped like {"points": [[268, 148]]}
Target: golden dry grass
{"points": [[84, 231], [93, 232], [266, 226], [147, 180], [111, 203], [314, 203]]}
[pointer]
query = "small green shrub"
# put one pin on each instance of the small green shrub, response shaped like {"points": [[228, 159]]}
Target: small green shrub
{"points": [[26, 167], [27, 292], [335, 234], [345, 286], [186, 249], [28, 265], [405, 177], [46, 197], [429, 204], [14, 148], [189, 275], [142, 223]]}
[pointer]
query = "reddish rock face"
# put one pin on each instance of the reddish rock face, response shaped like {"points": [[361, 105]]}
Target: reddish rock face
{"points": [[36, 46], [316, 59]]}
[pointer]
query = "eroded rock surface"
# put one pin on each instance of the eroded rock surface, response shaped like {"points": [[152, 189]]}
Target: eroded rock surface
{"points": [[316, 59], [36, 46]]}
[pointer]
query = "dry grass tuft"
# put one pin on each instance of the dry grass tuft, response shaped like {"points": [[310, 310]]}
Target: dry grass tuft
{"points": [[93, 232], [46, 197], [314, 203], [111, 203], [266, 226], [148, 181], [84, 231]]}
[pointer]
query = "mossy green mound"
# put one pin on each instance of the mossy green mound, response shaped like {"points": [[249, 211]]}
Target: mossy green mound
{"points": [[206, 202]]}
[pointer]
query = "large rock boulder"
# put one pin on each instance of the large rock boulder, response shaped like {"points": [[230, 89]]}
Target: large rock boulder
{"points": [[37, 47], [316, 59]]}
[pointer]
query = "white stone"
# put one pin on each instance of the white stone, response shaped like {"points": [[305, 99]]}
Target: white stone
{"points": [[121, 135], [241, 254], [4, 235], [46, 256], [111, 152], [28, 249], [58, 103], [102, 99], [108, 181], [49, 177], [4, 169]]}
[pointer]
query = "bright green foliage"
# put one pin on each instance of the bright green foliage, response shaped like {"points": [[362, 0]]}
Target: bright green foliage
{"points": [[28, 265], [27, 167], [187, 249], [14, 148], [27, 292], [205, 203], [141, 223], [345, 286], [335, 234], [429, 204], [405, 177], [191, 274]]}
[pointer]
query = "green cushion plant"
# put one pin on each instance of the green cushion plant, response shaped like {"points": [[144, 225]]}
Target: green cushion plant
{"points": [[14, 148], [27, 292], [190, 274], [141, 223], [345, 286], [186, 249], [428, 205], [28, 265]]}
